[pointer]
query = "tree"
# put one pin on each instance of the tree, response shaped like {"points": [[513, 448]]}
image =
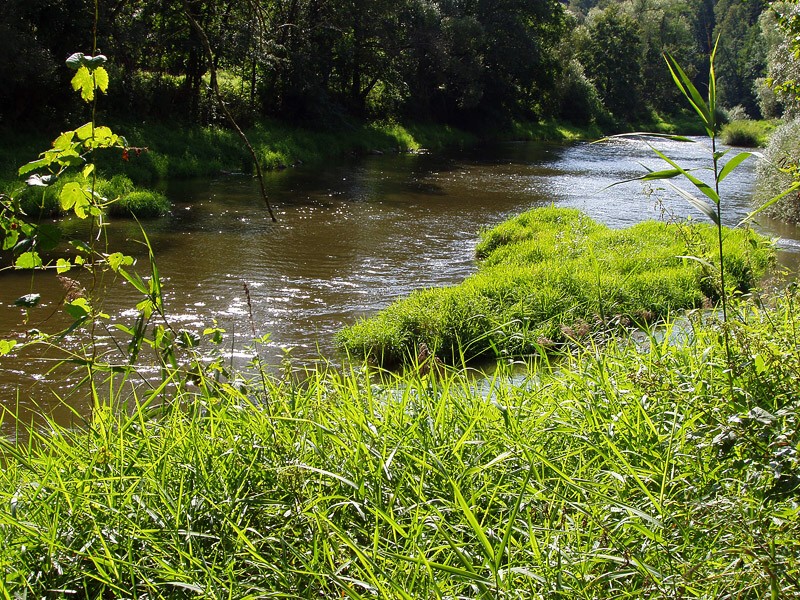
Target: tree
{"points": [[613, 60], [740, 55], [779, 92]]}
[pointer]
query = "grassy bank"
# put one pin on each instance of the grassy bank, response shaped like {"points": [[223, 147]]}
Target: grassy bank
{"points": [[174, 152], [553, 275], [649, 471]]}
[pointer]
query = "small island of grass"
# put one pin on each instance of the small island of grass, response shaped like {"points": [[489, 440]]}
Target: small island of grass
{"points": [[553, 274]]}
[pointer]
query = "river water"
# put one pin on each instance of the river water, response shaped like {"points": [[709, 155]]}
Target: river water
{"points": [[351, 237]]}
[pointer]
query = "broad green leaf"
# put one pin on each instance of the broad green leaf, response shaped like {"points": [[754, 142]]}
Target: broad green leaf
{"points": [[78, 309], [95, 62], [63, 265], [11, 239], [33, 165], [74, 197], [101, 77], [28, 260], [81, 245], [64, 141], [103, 137], [28, 300], [88, 170], [70, 159], [84, 83], [118, 259], [6, 346], [70, 195], [48, 236], [85, 131], [75, 61]]}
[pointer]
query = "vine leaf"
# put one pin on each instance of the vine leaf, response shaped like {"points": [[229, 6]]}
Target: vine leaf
{"points": [[6, 346], [28, 260], [84, 82], [73, 197], [101, 79], [78, 309]]}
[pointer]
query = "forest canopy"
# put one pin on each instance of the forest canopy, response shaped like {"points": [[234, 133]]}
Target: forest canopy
{"points": [[452, 61]]}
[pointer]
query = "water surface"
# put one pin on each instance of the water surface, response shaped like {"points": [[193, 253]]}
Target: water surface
{"points": [[351, 237]]}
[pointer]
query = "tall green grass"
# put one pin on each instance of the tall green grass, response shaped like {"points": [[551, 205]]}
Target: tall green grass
{"points": [[747, 133], [552, 275], [626, 470]]}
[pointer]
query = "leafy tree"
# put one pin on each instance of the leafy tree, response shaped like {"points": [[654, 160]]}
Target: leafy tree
{"points": [[613, 60], [779, 92], [740, 57], [667, 27]]}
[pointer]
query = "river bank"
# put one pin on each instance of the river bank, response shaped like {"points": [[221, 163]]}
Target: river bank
{"points": [[651, 473], [172, 151]]}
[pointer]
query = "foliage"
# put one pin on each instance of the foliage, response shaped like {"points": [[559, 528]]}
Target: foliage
{"points": [[612, 59], [578, 99], [778, 173], [553, 275], [740, 56], [328, 61], [779, 91], [747, 133], [142, 204], [622, 470]]}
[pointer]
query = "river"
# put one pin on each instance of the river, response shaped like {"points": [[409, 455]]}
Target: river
{"points": [[351, 237]]}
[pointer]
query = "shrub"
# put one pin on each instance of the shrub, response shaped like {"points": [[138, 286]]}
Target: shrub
{"points": [[142, 204], [116, 187], [746, 133], [782, 150]]}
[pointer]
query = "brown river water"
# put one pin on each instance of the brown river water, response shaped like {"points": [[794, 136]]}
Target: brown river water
{"points": [[351, 237]]}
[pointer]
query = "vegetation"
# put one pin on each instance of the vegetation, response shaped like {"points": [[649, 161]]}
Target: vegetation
{"points": [[327, 62], [624, 469], [657, 465], [143, 204], [747, 133], [778, 173], [551, 276]]}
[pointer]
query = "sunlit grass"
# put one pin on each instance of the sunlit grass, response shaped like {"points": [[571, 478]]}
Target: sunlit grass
{"points": [[623, 470], [553, 274]]}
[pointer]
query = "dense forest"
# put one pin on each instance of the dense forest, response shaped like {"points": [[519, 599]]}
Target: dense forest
{"points": [[460, 62]]}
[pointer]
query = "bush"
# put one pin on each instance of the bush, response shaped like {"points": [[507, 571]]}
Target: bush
{"points": [[783, 150], [142, 204], [578, 100], [746, 133], [116, 187]]}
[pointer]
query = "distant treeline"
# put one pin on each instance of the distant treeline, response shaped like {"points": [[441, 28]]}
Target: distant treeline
{"points": [[463, 62]]}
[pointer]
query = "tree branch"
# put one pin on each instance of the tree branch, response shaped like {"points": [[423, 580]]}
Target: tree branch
{"points": [[215, 89]]}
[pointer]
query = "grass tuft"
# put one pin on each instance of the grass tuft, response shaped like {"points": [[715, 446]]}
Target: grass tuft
{"points": [[622, 471], [747, 133], [553, 274]]}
